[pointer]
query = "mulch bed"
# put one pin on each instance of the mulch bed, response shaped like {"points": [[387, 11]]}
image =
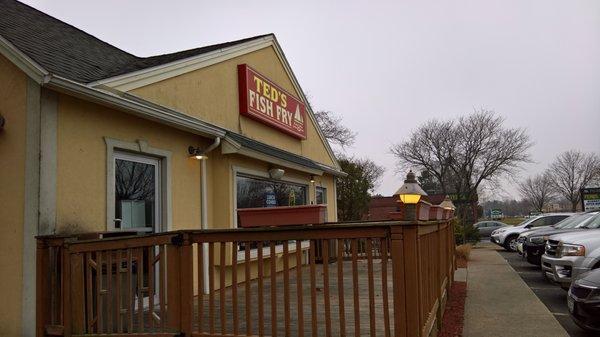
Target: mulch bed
{"points": [[461, 263], [454, 315]]}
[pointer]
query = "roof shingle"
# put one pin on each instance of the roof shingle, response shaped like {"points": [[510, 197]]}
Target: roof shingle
{"points": [[69, 52]]}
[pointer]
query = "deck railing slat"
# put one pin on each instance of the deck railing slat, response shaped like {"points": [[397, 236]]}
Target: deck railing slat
{"points": [[299, 292], [340, 278], [247, 284], [261, 299], [369, 247], [273, 286], [211, 287], [313, 289], [222, 294], [200, 272], [326, 298], [234, 287], [355, 287]]}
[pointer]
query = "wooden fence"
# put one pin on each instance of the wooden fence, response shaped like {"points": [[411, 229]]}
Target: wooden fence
{"points": [[373, 279]]}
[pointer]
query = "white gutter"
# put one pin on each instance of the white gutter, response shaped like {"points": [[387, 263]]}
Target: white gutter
{"points": [[204, 209]]}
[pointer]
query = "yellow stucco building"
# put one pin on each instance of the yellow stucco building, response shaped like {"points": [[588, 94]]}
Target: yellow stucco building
{"points": [[95, 139]]}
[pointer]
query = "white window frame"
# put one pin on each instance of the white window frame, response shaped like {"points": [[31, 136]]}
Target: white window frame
{"points": [[143, 159], [138, 150], [304, 245]]}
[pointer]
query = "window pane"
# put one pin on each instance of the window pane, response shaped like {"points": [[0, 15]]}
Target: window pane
{"points": [[321, 195], [256, 192], [135, 194]]}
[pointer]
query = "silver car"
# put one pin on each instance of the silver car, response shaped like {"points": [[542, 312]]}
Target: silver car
{"points": [[486, 228]]}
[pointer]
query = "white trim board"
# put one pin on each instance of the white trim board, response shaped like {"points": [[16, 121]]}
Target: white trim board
{"points": [[31, 208]]}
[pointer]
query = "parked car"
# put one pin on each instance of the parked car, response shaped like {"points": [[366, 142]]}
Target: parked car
{"points": [[507, 236], [521, 238], [584, 301], [532, 243], [486, 228], [571, 254]]}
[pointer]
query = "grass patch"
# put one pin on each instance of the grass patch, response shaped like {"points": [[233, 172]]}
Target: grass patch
{"points": [[512, 221]]}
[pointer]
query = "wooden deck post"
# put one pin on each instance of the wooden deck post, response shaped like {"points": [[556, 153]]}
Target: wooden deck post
{"points": [[411, 280], [173, 287], [77, 296], [397, 255], [42, 287], [439, 275], [186, 282]]}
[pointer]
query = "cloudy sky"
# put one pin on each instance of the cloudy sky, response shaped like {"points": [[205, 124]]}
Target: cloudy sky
{"points": [[387, 66]]}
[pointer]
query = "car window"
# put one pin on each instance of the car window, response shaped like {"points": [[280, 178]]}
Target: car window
{"points": [[538, 222], [593, 223], [571, 221], [551, 220], [583, 220]]}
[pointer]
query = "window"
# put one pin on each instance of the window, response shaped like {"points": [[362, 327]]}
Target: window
{"points": [[320, 195], [137, 192], [253, 192], [257, 192]]}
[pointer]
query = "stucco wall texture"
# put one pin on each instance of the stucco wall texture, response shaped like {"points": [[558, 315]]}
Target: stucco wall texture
{"points": [[13, 97]]}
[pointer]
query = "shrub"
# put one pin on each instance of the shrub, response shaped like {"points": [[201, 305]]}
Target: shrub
{"points": [[463, 251], [459, 229]]}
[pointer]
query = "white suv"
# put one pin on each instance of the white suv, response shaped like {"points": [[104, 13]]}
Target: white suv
{"points": [[507, 236], [569, 255]]}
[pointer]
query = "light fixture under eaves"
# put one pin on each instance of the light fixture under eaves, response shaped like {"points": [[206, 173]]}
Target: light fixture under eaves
{"points": [[197, 153], [276, 173]]}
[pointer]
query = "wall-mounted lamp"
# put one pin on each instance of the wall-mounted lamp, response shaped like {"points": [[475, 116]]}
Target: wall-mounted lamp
{"points": [[197, 153], [276, 173], [312, 178]]}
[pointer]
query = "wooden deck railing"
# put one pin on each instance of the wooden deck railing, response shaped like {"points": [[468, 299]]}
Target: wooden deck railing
{"points": [[374, 279]]}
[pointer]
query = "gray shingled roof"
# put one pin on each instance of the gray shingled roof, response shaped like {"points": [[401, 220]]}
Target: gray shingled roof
{"points": [[72, 53], [273, 151]]}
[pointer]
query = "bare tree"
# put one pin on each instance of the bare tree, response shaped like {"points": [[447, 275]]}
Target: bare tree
{"points": [[573, 170], [537, 190], [464, 153], [333, 129]]}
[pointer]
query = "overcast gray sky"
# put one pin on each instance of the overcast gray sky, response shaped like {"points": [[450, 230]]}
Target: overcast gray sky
{"points": [[387, 66]]}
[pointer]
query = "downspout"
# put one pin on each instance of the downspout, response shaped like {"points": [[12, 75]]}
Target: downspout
{"points": [[204, 209]]}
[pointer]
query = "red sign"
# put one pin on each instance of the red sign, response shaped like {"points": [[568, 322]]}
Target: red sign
{"points": [[265, 101]]}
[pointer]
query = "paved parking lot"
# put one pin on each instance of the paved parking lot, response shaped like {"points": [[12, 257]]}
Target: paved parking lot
{"points": [[551, 295]]}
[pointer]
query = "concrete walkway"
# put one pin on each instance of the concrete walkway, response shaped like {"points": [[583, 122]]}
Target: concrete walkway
{"points": [[499, 303]]}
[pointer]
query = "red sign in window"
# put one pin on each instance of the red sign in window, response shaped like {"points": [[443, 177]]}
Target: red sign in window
{"points": [[266, 102]]}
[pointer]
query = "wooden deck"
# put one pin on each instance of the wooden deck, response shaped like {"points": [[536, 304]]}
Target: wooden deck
{"points": [[338, 323], [96, 287]]}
